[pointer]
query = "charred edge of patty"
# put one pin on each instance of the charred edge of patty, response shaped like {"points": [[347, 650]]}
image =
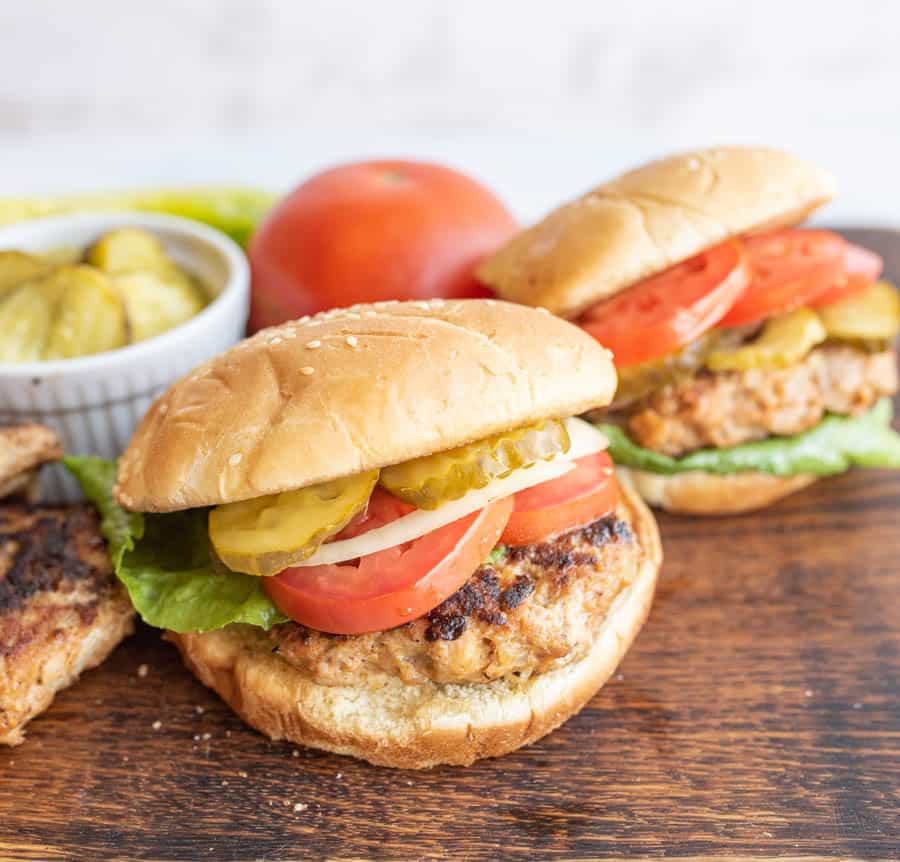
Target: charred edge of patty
{"points": [[481, 596], [44, 549]]}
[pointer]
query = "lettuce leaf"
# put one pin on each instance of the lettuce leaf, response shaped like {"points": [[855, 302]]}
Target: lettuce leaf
{"points": [[836, 444], [164, 562]]}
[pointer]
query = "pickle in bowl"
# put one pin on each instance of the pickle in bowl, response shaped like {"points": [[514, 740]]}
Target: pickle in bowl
{"points": [[67, 303]]}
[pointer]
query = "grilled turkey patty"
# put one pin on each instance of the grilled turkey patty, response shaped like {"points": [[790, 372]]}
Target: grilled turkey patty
{"points": [[725, 409], [536, 609], [61, 608]]}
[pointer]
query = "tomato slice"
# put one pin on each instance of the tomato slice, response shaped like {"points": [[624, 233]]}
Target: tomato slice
{"points": [[393, 586], [863, 268], [789, 269], [577, 498], [663, 313]]}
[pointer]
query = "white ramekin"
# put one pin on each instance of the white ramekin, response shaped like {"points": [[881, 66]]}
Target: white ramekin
{"points": [[95, 402]]}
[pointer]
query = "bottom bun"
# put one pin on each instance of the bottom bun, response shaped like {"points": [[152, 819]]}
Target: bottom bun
{"points": [[697, 493], [417, 726]]}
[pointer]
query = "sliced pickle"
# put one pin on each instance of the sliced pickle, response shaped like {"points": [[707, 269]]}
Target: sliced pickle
{"points": [[90, 315], [127, 249], [428, 482], [154, 305], [26, 315], [266, 535], [872, 315], [17, 267], [783, 342]]}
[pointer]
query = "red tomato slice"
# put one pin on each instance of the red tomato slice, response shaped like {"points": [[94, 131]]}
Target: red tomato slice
{"points": [[789, 269], [579, 497], [394, 586], [666, 311], [863, 268]]}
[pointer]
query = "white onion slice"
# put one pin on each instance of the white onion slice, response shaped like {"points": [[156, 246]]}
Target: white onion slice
{"points": [[585, 440]]}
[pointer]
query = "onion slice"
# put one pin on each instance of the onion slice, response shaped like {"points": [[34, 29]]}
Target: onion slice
{"points": [[584, 439]]}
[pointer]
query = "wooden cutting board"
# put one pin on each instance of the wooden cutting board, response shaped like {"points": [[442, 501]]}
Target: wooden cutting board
{"points": [[758, 715]]}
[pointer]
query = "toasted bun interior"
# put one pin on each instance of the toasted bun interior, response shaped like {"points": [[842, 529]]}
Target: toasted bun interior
{"points": [[355, 390], [707, 494], [649, 219], [422, 725]]}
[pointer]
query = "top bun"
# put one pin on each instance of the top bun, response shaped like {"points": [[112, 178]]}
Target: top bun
{"points": [[649, 219], [353, 390]]}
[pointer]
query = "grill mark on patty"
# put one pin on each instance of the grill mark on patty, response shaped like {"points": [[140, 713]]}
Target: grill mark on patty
{"points": [[43, 549], [481, 596]]}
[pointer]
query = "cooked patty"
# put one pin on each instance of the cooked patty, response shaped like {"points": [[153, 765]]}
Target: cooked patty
{"points": [[727, 408], [538, 608], [61, 608], [23, 448]]}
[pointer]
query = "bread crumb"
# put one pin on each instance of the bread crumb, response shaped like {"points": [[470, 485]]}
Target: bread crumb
{"points": [[235, 459], [199, 709], [300, 806], [224, 784], [808, 692], [156, 724], [857, 706], [295, 753], [242, 774], [206, 736], [339, 776], [228, 734], [352, 340], [143, 670]]}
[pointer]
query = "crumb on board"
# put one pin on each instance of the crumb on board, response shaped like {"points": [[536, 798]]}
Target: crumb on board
{"points": [[199, 710], [156, 724], [300, 806], [143, 670]]}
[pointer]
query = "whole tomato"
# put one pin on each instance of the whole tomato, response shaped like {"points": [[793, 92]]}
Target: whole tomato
{"points": [[371, 231]]}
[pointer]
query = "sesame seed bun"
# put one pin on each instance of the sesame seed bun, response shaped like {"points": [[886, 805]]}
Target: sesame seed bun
{"points": [[650, 219], [416, 726], [354, 390], [698, 493]]}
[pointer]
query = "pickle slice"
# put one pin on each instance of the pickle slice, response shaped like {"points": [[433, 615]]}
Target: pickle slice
{"points": [[783, 342], [90, 316], [154, 305], [872, 315], [127, 249], [17, 267], [266, 535], [26, 315], [428, 482]]}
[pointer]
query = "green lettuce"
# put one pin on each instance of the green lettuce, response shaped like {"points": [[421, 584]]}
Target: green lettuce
{"points": [[164, 562], [836, 444]]}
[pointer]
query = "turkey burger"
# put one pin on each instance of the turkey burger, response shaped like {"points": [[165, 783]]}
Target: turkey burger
{"points": [[753, 355], [381, 532]]}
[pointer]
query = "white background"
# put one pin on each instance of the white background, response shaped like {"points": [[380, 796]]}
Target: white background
{"points": [[539, 99]]}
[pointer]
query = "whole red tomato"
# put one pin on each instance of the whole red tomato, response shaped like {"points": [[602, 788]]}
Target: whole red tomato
{"points": [[370, 231]]}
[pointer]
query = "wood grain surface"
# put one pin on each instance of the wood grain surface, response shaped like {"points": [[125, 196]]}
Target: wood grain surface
{"points": [[758, 716]]}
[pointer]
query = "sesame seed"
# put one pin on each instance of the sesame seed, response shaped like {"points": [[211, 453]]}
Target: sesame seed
{"points": [[156, 724], [307, 370], [143, 670], [312, 345], [235, 459], [352, 340]]}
